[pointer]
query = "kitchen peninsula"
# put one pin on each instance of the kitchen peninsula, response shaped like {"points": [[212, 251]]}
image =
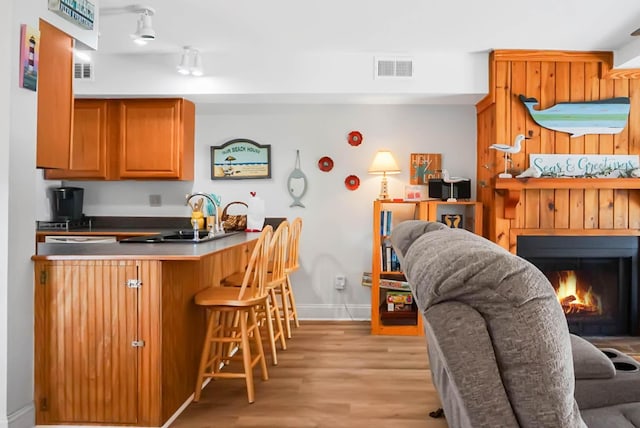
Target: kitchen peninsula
{"points": [[117, 335]]}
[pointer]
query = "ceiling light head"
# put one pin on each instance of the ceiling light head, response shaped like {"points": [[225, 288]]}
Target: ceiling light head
{"points": [[144, 31], [183, 67], [190, 62], [197, 69]]}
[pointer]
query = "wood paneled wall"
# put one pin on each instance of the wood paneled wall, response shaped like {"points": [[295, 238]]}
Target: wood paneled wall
{"points": [[552, 77]]}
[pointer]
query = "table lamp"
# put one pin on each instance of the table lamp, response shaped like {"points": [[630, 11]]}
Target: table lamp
{"points": [[384, 163]]}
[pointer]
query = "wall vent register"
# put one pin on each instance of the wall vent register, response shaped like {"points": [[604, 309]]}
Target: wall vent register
{"points": [[393, 67]]}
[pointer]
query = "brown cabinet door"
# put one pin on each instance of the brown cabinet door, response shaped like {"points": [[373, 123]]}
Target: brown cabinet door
{"points": [[89, 155], [55, 97], [86, 369], [151, 138]]}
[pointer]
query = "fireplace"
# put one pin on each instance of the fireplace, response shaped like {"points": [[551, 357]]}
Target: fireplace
{"points": [[595, 279]]}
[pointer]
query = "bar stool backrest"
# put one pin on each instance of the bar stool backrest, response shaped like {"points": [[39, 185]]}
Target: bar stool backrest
{"points": [[255, 275], [293, 245]]}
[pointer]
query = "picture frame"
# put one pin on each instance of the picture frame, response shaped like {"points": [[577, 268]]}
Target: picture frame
{"points": [[29, 57], [416, 192], [423, 166], [239, 159]]}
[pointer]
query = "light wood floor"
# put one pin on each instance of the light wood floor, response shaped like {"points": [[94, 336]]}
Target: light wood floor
{"points": [[333, 374], [337, 375]]}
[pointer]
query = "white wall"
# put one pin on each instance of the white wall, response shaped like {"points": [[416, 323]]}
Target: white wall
{"points": [[6, 28], [438, 77], [337, 227], [18, 213], [18, 184]]}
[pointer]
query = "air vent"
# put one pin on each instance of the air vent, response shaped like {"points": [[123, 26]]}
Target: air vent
{"points": [[393, 67], [83, 71]]}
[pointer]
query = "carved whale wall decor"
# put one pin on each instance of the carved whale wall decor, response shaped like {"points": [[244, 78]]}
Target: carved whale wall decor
{"points": [[607, 116]]}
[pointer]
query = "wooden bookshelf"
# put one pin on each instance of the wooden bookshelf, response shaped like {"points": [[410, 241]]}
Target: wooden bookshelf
{"points": [[384, 322], [401, 322]]}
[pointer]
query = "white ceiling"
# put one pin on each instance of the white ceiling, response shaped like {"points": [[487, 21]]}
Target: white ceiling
{"points": [[399, 26], [249, 29]]}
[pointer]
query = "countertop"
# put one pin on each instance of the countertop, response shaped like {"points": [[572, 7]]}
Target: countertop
{"points": [[164, 251]]}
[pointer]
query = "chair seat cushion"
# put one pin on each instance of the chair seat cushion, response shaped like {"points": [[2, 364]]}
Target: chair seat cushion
{"points": [[619, 416]]}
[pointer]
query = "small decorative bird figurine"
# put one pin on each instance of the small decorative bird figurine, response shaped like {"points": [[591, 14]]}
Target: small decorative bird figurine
{"points": [[451, 180], [507, 150]]}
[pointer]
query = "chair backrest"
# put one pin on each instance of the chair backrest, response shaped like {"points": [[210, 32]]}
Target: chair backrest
{"points": [[255, 276], [278, 254], [293, 245]]}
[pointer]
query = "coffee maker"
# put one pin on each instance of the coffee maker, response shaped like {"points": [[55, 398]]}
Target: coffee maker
{"points": [[66, 203]]}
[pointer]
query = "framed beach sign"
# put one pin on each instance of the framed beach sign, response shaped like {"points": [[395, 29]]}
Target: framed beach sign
{"points": [[240, 159]]}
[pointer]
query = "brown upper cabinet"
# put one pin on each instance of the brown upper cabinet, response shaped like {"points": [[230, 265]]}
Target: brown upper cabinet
{"points": [[131, 139], [88, 152], [55, 97]]}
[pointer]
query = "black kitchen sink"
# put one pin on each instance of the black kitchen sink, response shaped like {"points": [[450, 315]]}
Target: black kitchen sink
{"points": [[178, 236]]}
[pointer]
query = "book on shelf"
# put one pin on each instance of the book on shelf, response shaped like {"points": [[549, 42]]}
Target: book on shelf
{"points": [[385, 222], [389, 259], [388, 280], [398, 276]]}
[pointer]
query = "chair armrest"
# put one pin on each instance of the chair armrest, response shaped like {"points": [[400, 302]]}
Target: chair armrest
{"points": [[464, 368]]}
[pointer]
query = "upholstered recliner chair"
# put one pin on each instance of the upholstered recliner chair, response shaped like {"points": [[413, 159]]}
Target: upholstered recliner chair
{"points": [[499, 347]]}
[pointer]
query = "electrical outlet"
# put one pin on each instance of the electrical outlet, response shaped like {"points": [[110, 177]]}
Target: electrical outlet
{"points": [[340, 282], [155, 200]]}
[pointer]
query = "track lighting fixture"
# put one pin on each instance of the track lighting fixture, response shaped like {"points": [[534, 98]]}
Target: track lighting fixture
{"points": [[190, 62], [144, 31]]}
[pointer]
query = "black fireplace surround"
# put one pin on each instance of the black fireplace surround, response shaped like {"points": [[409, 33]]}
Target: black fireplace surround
{"points": [[606, 265]]}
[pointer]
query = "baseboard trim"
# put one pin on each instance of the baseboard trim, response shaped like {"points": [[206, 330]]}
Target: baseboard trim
{"points": [[334, 312], [22, 418]]}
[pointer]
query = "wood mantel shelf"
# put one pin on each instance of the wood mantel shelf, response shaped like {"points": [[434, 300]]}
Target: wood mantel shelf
{"points": [[512, 187]]}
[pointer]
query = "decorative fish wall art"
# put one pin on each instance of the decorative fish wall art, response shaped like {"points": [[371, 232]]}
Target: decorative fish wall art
{"points": [[608, 116], [297, 183]]}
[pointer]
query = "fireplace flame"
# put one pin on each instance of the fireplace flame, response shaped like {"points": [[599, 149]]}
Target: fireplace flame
{"points": [[574, 299]]}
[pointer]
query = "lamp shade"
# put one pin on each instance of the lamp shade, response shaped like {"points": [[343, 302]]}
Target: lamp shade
{"points": [[384, 163]]}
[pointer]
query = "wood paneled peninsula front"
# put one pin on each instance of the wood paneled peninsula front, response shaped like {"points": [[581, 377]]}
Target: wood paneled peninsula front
{"points": [[117, 335]]}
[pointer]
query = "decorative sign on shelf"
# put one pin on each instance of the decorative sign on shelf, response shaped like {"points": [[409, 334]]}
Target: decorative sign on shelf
{"points": [[607, 116], [79, 12], [423, 166], [597, 166], [240, 158], [453, 220]]}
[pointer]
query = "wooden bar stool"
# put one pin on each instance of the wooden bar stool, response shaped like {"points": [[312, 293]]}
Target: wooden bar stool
{"points": [[269, 313], [292, 264], [227, 307]]}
